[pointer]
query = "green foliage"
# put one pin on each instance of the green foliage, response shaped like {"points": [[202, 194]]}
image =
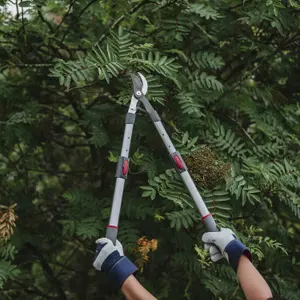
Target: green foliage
{"points": [[222, 75], [7, 251], [188, 105], [168, 185], [226, 140], [204, 11], [207, 60], [240, 188], [106, 63], [7, 271], [217, 201], [184, 218], [121, 44], [203, 81]]}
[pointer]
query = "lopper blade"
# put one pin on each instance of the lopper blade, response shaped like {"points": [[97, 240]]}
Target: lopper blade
{"points": [[144, 82], [139, 83]]}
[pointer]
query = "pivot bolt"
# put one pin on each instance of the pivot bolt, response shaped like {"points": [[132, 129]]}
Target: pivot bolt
{"points": [[138, 93]]}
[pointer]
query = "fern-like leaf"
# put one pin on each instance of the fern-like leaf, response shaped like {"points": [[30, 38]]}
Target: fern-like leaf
{"points": [[204, 11], [183, 218], [106, 62], [168, 185], [188, 104], [217, 202], [205, 81], [206, 60], [121, 44], [73, 71], [226, 140], [7, 271], [156, 62], [7, 251], [240, 188]]}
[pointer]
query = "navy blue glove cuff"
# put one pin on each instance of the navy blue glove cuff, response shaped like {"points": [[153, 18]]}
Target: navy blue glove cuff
{"points": [[121, 270], [234, 250]]}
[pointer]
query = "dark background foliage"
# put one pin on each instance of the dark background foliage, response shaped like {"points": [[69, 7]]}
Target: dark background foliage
{"points": [[224, 75]]}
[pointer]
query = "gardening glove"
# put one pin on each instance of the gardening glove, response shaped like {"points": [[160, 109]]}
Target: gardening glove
{"points": [[111, 260], [224, 243]]}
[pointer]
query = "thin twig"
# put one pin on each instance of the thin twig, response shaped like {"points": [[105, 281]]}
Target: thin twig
{"points": [[81, 87], [58, 112], [45, 21], [213, 39], [77, 18], [65, 16], [22, 17], [70, 146], [65, 265], [17, 10], [244, 131], [120, 19], [244, 75], [143, 35]]}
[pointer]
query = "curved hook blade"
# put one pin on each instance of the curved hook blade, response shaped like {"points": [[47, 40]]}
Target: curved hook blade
{"points": [[139, 83], [144, 82]]}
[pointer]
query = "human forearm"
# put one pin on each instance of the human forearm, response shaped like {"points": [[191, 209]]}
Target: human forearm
{"points": [[253, 284], [111, 260], [133, 290], [224, 243]]}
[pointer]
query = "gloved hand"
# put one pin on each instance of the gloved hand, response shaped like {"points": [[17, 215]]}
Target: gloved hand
{"points": [[111, 260], [225, 244]]}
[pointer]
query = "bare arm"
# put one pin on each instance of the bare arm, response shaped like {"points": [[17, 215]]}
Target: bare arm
{"points": [[253, 284], [133, 290]]}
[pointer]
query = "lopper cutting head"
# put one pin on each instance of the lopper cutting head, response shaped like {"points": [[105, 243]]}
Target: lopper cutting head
{"points": [[139, 83], [140, 87]]}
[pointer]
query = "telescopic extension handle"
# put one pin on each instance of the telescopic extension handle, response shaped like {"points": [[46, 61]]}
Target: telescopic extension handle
{"points": [[179, 164]]}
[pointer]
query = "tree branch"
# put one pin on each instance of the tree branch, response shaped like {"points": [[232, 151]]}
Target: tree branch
{"points": [[70, 146], [32, 290], [17, 10], [120, 19], [48, 270], [77, 18], [45, 21], [22, 17], [260, 62], [58, 113], [66, 15], [244, 131]]}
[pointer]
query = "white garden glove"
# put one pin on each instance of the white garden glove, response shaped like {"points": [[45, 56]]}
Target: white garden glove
{"points": [[224, 243], [111, 260]]}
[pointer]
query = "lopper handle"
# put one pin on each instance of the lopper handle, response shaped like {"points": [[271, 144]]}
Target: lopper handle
{"points": [[111, 233], [182, 169], [210, 223], [179, 163], [121, 176]]}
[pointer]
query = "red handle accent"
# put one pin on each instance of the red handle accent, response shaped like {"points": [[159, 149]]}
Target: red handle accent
{"points": [[125, 167], [178, 162], [112, 226], [203, 218]]}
